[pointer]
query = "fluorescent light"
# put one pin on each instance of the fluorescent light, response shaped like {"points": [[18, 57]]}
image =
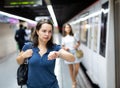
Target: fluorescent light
{"points": [[50, 9], [18, 17], [91, 15], [41, 17]]}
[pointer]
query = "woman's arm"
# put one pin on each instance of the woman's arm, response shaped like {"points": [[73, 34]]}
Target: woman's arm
{"points": [[61, 54], [66, 55], [77, 45], [24, 55]]}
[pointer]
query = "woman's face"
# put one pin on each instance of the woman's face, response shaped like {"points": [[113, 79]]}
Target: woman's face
{"points": [[67, 29], [45, 32]]}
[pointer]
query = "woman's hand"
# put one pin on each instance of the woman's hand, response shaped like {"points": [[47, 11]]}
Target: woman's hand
{"points": [[23, 55], [27, 53], [61, 54], [53, 55], [77, 45]]}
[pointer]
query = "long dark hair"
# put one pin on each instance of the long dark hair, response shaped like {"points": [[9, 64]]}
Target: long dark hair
{"points": [[63, 30], [38, 26]]}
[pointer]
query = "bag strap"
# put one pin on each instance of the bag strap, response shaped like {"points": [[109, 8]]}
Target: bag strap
{"points": [[21, 86]]}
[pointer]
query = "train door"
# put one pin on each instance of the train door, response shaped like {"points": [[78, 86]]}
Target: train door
{"points": [[117, 40]]}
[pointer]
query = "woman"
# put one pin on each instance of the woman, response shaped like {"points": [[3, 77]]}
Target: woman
{"points": [[42, 57], [71, 43]]}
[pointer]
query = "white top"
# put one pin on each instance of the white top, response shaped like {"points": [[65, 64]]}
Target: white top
{"points": [[69, 42], [28, 34]]}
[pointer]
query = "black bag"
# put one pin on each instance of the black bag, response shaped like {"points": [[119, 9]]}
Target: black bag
{"points": [[22, 74], [22, 71]]}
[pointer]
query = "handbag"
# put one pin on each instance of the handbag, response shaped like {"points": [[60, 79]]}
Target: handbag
{"points": [[79, 53], [22, 71], [22, 74]]}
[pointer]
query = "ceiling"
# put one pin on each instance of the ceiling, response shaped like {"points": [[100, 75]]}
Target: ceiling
{"points": [[64, 9]]}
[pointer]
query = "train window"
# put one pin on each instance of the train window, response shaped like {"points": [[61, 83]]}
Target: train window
{"points": [[93, 32], [96, 28], [104, 17], [90, 33], [84, 31]]}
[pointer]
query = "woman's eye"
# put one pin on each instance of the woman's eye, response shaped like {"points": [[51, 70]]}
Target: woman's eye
{"points": [[50, 31], [44, 30]]}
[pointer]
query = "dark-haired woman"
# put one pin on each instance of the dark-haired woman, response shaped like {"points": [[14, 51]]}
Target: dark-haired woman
{"points": [[42, 57], [70, 43]]}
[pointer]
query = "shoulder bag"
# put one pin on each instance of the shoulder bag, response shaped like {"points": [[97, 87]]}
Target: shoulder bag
{"points": [[22, 72], [79, 53]]}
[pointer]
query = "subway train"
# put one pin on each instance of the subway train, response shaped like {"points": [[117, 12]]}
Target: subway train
{"points": [[98, 27]]}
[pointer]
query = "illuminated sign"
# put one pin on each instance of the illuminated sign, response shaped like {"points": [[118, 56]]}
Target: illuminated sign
{"points": [[22, 2]]}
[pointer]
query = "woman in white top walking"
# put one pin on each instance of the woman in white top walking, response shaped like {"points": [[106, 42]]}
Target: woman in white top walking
{"points": [[71, 43]]}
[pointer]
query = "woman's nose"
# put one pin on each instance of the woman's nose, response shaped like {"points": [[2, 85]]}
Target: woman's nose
{"points": [[47, 33]]}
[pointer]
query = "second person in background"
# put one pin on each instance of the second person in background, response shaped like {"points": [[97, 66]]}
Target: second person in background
{"points": [[19, 36], [71, 43]]}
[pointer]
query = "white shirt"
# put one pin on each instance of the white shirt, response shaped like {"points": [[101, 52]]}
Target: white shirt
{"points": [[68, 41]]}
